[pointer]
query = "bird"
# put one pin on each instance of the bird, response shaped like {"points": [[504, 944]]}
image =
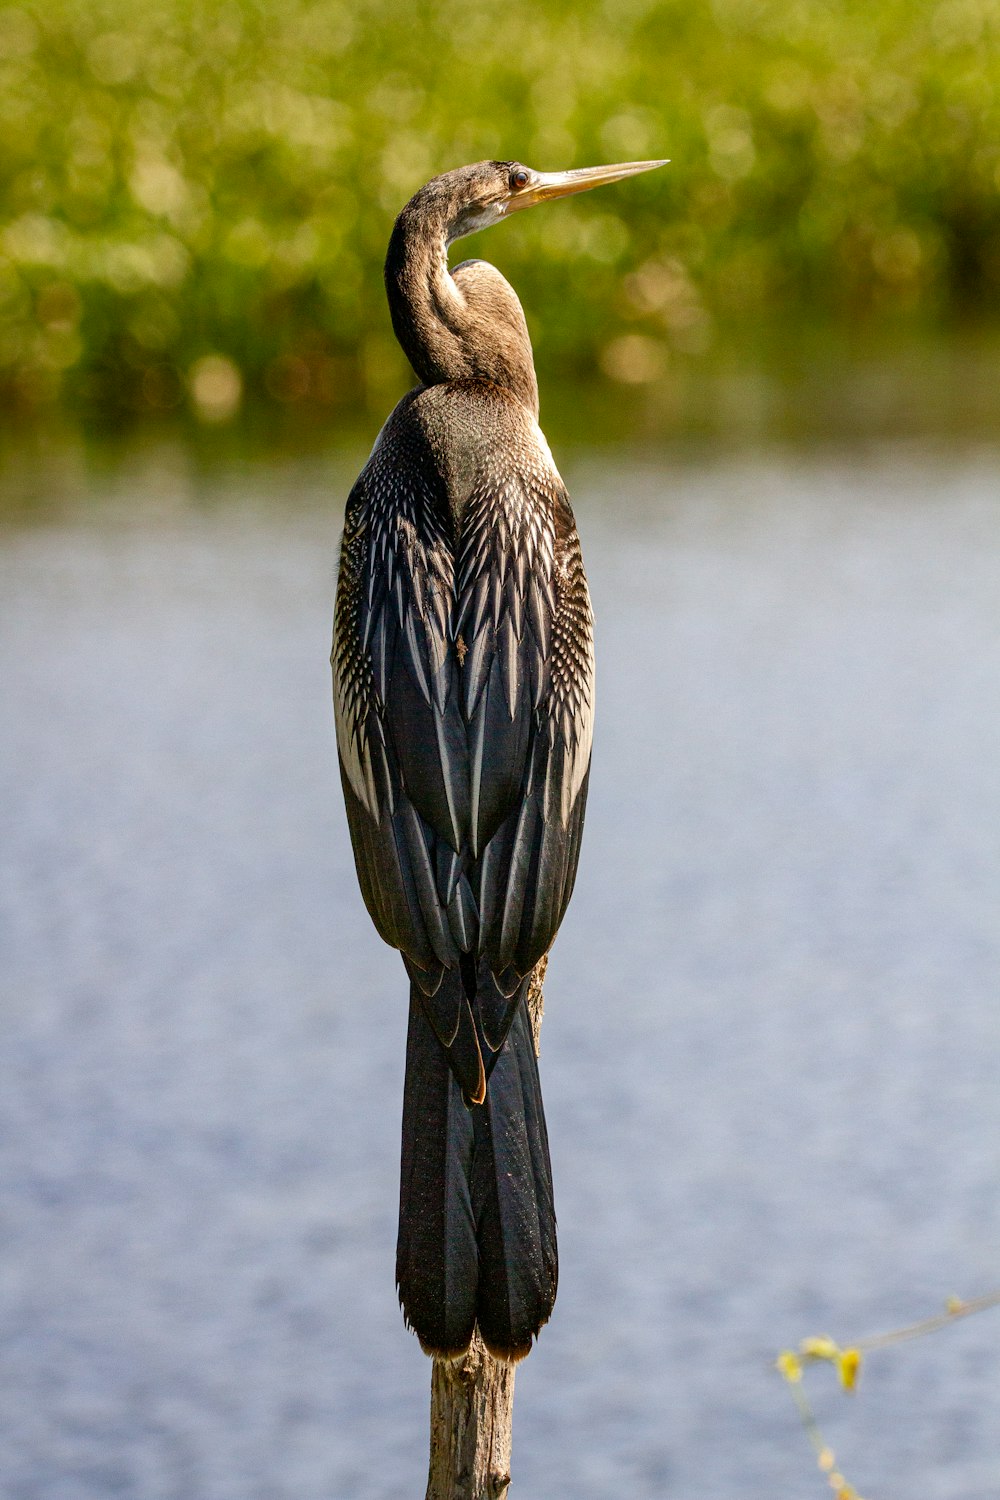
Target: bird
{"points": [[463, 671]]}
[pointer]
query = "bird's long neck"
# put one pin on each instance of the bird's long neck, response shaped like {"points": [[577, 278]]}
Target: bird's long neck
{"points": [[465, 326]]}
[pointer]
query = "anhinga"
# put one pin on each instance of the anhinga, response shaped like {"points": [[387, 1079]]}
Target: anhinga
{"points": [[464, 692]]}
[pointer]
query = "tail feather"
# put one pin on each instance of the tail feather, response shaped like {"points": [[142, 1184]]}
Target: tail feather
{"points": [[512, 1201], [477, 1231], [436, 1252], [450, 1014]]}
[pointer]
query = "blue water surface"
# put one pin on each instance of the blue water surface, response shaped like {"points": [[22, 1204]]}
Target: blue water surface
{"points": [[772, 1041]]}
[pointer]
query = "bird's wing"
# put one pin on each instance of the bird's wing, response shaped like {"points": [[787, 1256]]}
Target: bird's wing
{"points": [[463, 681], [524, 633], [399, 730]]}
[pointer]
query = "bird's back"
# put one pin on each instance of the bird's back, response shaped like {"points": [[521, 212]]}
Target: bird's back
{"points": [[463, 667]]}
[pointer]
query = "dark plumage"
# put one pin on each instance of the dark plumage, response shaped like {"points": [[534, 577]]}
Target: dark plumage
{"points": [[464, 694]]}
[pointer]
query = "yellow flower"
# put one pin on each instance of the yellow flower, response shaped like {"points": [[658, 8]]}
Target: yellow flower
{"points": [[823, 1348], [849, 1368], [790, 1366]]}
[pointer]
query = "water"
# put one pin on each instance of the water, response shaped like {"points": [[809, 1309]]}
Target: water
{"points": [[771, 1047]]}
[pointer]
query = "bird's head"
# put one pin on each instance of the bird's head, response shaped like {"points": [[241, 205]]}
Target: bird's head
{"points": [[468, 324], [473, 198]]}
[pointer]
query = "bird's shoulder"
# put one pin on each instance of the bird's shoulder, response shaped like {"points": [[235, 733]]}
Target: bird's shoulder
{"points": [[444, 443]]}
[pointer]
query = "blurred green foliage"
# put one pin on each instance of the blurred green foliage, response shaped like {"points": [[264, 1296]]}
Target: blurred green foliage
{"points": [[195, 195]]}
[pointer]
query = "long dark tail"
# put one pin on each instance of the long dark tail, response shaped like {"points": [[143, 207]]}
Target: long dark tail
{"points": [[477, 1226]]}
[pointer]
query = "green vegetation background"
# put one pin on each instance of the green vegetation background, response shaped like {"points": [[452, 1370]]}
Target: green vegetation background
{"points": [[195, 197]]}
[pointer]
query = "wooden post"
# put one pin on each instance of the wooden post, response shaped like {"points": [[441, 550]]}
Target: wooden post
{"points": [[472, 1399], [472, 1407]]}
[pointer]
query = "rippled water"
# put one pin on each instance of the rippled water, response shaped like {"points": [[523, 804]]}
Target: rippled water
{"points": [[772, 1040]]}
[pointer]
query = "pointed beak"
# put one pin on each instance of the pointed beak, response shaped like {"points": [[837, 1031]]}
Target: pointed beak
{"points": [[544, 186]]}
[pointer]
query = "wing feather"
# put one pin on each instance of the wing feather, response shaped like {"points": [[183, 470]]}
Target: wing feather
{"points": [[463, 671], [526, 880]]}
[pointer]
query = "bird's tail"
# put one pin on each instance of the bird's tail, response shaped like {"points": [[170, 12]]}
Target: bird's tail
{"points": [[477, 1227]]}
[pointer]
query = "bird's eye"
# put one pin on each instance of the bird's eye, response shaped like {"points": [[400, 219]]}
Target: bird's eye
{"points": [[519, 179]]}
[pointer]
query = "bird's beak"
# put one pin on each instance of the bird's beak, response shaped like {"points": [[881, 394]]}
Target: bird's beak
{"points": [[544, 186]]}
